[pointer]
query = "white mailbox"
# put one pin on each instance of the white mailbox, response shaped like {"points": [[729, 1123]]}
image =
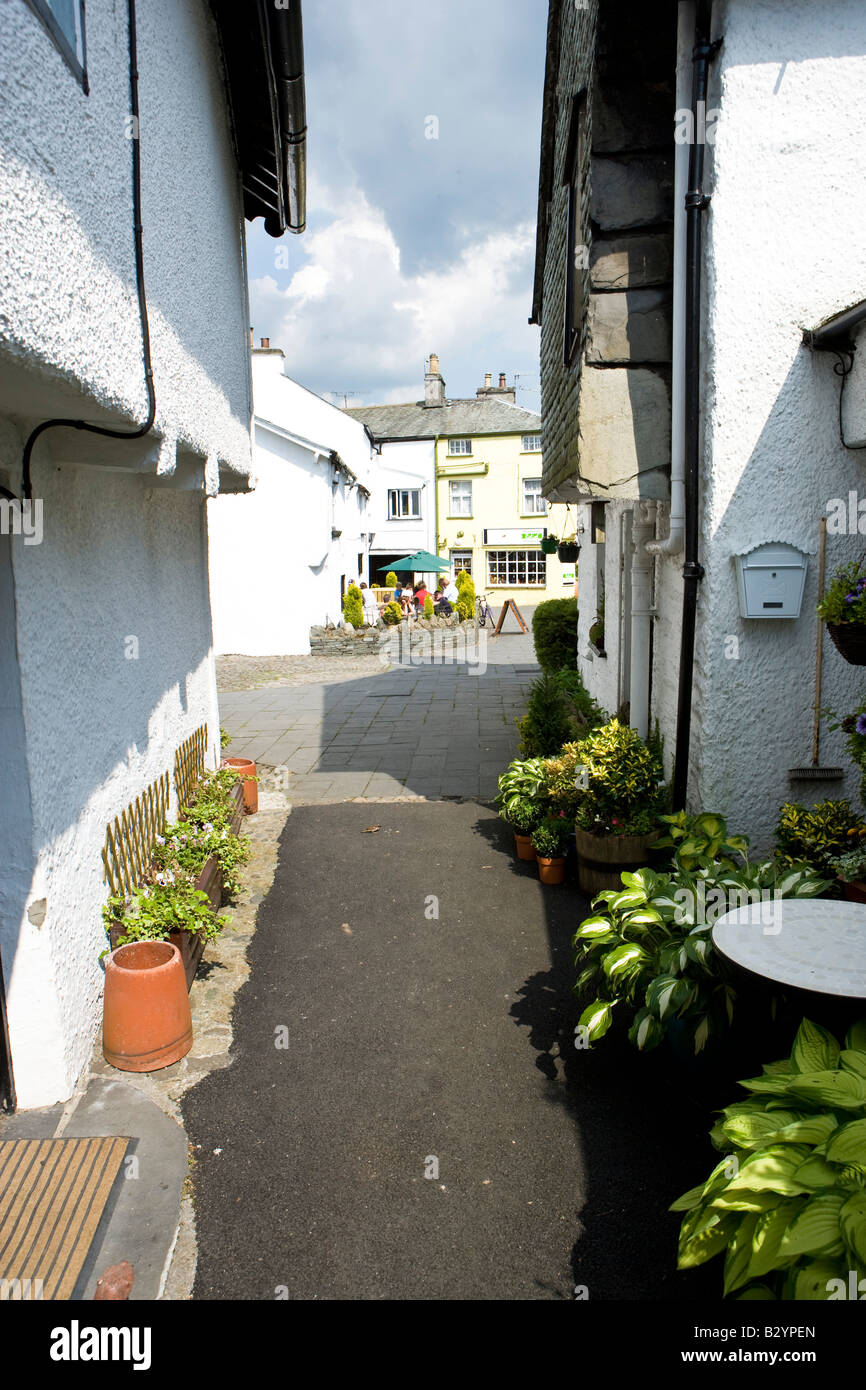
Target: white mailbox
{"points": [[770, 580]]}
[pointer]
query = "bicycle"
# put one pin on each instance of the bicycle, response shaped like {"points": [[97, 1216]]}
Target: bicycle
{"points": [[483, 611]]}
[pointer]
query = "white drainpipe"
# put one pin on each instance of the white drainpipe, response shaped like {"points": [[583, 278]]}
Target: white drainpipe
{"points": [[673, 542], [642, 563]]}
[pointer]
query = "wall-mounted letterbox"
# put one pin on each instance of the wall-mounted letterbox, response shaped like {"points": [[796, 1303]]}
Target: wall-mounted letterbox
{"points": [[770, 580]]}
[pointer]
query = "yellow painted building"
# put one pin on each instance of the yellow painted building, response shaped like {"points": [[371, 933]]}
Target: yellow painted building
{"points": [[485, 479]]}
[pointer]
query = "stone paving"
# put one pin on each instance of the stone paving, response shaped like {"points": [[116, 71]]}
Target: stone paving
{"points": [[421, 731]]}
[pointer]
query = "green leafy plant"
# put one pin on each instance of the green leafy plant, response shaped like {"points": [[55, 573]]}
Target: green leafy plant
{"points": [[225, 737], [787, 1202], [554, 634], [844, 598], [428, 606], [649, 945], [157, 909], [818, 834], [524, 816], [391, 580], [854, 726], [353, 606], [523, 780], [550, 838], [392, 613], [851, 867], [562, 777], [695, 838], [559, 710], [622, 794], [465, 604]]}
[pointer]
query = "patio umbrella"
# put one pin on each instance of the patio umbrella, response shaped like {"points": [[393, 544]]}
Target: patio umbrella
{"points": [[422, 562]]}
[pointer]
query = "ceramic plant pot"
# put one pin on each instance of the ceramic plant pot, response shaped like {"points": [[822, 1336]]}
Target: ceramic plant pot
{"points": [[523, 845], [551, 870], [147, 1024], [247, 769], [602, 858]]}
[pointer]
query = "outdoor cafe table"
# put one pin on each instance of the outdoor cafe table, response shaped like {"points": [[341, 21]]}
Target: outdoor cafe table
{"points": [[814, 944]]}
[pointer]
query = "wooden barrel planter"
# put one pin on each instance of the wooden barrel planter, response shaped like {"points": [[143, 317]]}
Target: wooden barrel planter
{"points": [[602, 858], [850, 640]]}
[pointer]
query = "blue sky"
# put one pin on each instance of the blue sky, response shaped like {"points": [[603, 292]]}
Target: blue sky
{"points": [[412, 244]]}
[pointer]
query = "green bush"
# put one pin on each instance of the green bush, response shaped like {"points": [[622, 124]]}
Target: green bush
{"points": [[391, 580], [559, 710], [523, 816], [787, 1202], [818, 834], [465, 604], [554, 633], [621, 792], [550, 838], [392, 613], [523, 780], [429, 607], [353, 606]]}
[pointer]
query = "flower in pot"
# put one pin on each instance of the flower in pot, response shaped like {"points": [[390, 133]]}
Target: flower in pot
{"points": [[843, 609], [622, 795], [549, 545], [550, 841], [523, 816], [850, 869]]}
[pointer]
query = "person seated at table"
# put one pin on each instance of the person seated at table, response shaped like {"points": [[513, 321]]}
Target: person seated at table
{"points": [[403, 595], [370, 605], [441, 604], [420, 596]]}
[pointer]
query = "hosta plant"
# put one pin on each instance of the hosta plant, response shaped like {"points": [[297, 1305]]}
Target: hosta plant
{"points": [[522, 780], [649, 945], [787, 1202], [704, 836]]}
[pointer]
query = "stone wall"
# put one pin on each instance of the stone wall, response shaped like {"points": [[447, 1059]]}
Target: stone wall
{"points": [[448, 636]]}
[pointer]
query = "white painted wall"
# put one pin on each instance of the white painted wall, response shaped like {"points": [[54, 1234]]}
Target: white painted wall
{"points": [[403, 464], [280, 536], [783, 250], [123, 554]]}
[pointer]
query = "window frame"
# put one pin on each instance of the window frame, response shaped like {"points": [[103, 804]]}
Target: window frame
{"points": [[524, 447], [574, 153], [404, 516], [540, 495], [460, 453], [531, 558], [466, 558], [461, 483], [54, 30]]}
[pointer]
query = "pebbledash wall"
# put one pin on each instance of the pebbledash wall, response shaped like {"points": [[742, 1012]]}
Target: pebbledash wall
{"points": [[783, 251], [280, 557], [106, 660]]}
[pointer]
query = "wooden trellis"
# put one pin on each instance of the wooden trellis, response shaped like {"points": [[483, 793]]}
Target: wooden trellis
{"points": [[129, 841], [189, 765]]}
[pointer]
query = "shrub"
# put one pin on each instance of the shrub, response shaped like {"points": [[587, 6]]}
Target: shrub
{"points": [[392, 613], [819, 834], [465, 604], [621, 791], [428, 606], [523, 816], [787, 1202], [550, 838], [650, 945], [391, 580], [353, 606], [851, 867], [554, 634], [559, 710], [844, 599]]}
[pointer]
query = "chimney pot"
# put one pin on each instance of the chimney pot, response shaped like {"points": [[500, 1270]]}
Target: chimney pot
{"points": [[252, 340], [434, 362], [487, 380], [502, 381], [266, 342]]}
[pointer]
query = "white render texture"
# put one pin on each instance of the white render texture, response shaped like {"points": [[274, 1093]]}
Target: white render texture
{"points": [[404, 463], [275, 563]]}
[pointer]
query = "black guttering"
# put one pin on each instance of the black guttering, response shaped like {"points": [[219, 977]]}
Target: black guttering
{"points": [[263, 54], [837, 334], [696, 202]]}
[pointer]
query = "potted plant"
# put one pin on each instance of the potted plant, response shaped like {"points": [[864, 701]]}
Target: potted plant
{"points": [[843, 609], [550, 842], [523, 816], [850, 870], [549, 545], [568, 551], [616, 820]]}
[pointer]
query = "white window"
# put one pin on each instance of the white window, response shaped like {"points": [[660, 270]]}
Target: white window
{"points": [[460, 446], [533, 502], [461, 560], [460, 497], [516, 568], [404, 502], [64, 21], [532, 444]]}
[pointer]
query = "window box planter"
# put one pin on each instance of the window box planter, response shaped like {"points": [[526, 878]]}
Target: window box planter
{"points": [[850, 640], [189, 944], [568, 551], [602, 858]]}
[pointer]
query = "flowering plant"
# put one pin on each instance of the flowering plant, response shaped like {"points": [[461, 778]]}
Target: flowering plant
{"points": [[844, 600]]}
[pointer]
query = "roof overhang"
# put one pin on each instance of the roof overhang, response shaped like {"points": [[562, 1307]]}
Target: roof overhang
{"points": [[263, 53]]}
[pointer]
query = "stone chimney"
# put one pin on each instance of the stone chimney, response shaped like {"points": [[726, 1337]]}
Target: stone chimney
{"points": [[266, 343], [434, 385], [502, 381], [502, 392]]}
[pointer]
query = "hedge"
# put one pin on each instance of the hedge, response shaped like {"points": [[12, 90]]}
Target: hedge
{"points": [[554, 632]]}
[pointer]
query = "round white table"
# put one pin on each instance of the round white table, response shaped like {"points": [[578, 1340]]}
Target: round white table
{"points": [[805, 943]]}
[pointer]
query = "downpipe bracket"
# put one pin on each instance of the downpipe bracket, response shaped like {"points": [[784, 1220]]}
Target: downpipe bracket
{"points": [[692, 569]]}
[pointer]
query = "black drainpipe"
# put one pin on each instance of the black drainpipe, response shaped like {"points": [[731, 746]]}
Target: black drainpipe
{"points": [[693, 572]]}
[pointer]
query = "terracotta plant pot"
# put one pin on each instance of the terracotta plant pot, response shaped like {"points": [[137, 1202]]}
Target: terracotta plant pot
{"points": [[551, 870], [854, 892], [523, 845], [850, 640], [602, 858], [147, 1023], [247, 769]]}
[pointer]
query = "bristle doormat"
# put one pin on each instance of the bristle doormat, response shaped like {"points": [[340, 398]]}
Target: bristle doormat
{"points": [[52, 1195]]}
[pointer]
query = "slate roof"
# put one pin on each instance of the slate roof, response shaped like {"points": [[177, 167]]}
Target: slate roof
{"points": [[458, 417]]}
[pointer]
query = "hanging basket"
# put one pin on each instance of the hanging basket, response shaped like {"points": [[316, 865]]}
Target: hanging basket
{"points": [[850, 640], [568, 552], [549, 545]]}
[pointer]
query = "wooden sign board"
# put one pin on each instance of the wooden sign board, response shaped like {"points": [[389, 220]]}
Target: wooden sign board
{"points": [[509, 603]]}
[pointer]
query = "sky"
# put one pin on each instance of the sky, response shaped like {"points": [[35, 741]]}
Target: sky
{"points": [[422, 182]]}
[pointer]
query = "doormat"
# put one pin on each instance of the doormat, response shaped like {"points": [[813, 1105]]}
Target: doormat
{"points": [[52, 1195]]}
